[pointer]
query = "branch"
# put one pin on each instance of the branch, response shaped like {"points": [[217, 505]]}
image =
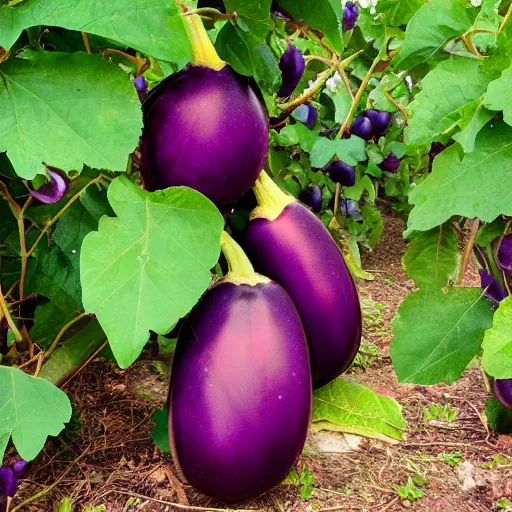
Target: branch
{"points": [[475, 224], [505, 19]]}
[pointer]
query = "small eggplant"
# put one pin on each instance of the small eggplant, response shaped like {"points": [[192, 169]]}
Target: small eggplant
{"points": [[240, 398], [390, 164], [362, 127], [141, 86], [19, 467], [495, 290], [380, 121], [504, 256], [307, 114], [341, 173], [8, 483], [292, 66], [312, 197], [52, 191], [288, 243], [350, 15], [503, 391]]}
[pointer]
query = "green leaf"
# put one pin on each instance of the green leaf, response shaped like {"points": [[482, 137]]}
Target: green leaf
{"points": [[31, 409], [497, 95], [431, 28], [478, 186], [472, 121], [437, 333], [432, 257], [152, 26], [321, 15], [342, 103], [297, 134], [498, 416], [147, 267], [497, 344], [253, 13], [67, 111], [160, 434], [447, 88], [399, 12], [351, 151], [349, 407]]}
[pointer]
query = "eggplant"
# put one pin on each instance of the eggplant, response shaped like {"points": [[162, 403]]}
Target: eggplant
{"points": [[204, 127], [292, 66], [307, 114], [289, 244], [494, 289], [504, 255], [19, 467], [52, 191], [350, 15], [503, 391], [341, 173], [141, 86], [240, 396], [362, 127], [380, 120], [390, 164], [8, 483], [312, 197]]}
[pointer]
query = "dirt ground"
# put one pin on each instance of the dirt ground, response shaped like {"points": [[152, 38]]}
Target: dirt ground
{"points": [[107, 457]]}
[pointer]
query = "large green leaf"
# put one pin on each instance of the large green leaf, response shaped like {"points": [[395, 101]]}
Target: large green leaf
{"points": [[67, 110], [437, 332], [478, 186], [151, 26], [349, 407], [497, 344], [472, 118], [351, 151], [431, 28], [30, 410], [497, 97], [432, 257], [147, 267], [448, 87], [399, 12]]}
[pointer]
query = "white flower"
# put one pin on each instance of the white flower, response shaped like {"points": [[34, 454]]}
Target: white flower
{"points": [[476, 3], [334, 82]]}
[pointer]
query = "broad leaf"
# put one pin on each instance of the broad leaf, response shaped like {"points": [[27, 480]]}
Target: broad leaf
{"points": [[432, 257], [152, 26], [160, 434], [497, 344], [297, 134], [431, 28], [351, 151], [30, 410], [147, 267], [349, 407], [67, 110], [473, 117], [497, 97], [399, 12], [437, 332], [478, 186], [342, 103]]}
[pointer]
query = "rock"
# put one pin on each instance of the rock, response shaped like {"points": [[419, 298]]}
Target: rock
{"points": [[326, 441]]}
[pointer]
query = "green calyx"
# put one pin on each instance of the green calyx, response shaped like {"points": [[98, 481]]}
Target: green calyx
{"points": [[241, 270], [203, 51], [271, 199]]}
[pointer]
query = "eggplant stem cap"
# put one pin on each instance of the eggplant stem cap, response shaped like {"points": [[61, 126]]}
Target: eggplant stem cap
{"points": [[271, 199]]}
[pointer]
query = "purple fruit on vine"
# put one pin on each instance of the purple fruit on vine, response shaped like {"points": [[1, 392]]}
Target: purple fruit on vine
{"points": [[503, 391], [495, 290], [390, 164], [350, 209], [362, 127], [289, 244], [204, 128], [312, 197], [504, 256], [380, 121], [8, 483], [292, 66], [141, 86], [240, 395], [350, 14], [307, 114], [341, 173], [19, 467], [52, 191]]}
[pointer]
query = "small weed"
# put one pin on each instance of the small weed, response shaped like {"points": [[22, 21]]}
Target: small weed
{"points": [[367, 355], [410, 491], [348, 491], [305, 482], [498, 460], [440, 412], [503, 504], [452, 459]]}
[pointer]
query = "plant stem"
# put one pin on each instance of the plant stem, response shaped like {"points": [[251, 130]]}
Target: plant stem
{"points": [[6, 194], [346, 81], [23, 247], [360, 92], [141, 64], [337, 199], [61, 333], [5, 312], [85, 37], [397, 104], [475, 224], [210, 12], [505, 19]]}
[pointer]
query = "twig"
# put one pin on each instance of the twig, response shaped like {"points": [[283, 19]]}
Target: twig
{"points": [[505, 19], [386, 507], [23, 247], [475, 224], [39, 363], [29, 362], [84, 364], [309, 58], [140, 64], [337, 199], [176, 485], [85, 37], [397, 104], [61, 333], [4, 310], [11, 289]]}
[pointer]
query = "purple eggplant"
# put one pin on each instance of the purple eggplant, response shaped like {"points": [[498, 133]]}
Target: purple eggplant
{"points": [[350, 209], [495, 290], [52, 191], [350, 15], [380, 120], [503, 391], [307, 114], [204, 128], [312, 197], [341, 173], [504, 256], [292, 66], [141, 86], [8, 483], [240, 396], [362, 127], [289, 244], [390, 164]]}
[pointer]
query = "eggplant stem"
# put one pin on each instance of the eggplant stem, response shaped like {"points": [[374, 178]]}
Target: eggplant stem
{"points": [[271, 199], [203, 51]]}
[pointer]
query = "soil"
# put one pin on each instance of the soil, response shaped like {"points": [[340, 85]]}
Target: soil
{"points": [[108, 458]]}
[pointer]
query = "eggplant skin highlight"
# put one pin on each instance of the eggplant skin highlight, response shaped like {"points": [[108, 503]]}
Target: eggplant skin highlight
{"points": [[205, 129], [240, 397]]}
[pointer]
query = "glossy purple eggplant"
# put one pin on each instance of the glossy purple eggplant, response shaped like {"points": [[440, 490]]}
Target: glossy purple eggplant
{"points": [[8, 483], [341, 173], [288, 243], [380, 119], [362, 127], [240, 397], [350, 15], [292, 66], [495, 290], [312, 197], [204, 128], [307, 114], [390, 164], [504, 256], [52, 191], [503, 391]]}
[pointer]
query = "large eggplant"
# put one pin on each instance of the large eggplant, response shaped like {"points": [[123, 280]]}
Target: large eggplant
{"points": [[240, 397], [288, 243], [204, 127]]}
